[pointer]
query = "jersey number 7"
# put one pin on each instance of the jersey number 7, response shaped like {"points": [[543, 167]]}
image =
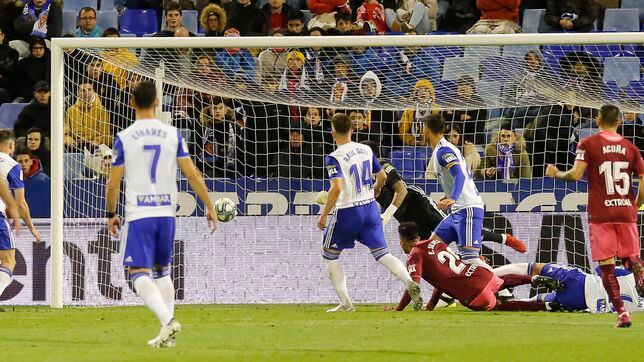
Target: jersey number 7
{"points": [[156, 152]]}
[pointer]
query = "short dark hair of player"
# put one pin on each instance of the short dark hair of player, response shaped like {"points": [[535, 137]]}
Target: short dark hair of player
{"points": [[408, 230], [295, 14], [435, 123], [374, 147], [23, 151], [111, 32], [318, 29], [341, 123], [505, 126], [609, 115], [144, 94], [6, 135], [86, 9], [172, 6]]}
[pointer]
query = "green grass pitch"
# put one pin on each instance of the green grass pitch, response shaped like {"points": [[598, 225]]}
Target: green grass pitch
{"points": [[307, 333]]}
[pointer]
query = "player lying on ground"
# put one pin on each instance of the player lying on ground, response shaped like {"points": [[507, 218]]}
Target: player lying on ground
{"points": [[147, 153], [11, 176], [462, 199], [410, 203], [356, 217], [610, 161], [577, 291], [473, 286]]}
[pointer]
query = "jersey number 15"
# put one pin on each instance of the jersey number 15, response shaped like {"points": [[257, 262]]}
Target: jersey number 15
{"points": [[614, 172]]}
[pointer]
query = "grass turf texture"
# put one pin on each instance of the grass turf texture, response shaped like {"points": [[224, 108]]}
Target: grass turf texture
{"points": [[307, 333]]}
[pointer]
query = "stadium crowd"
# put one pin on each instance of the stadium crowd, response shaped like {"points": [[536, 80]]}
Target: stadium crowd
{"points": [[236, 137]]}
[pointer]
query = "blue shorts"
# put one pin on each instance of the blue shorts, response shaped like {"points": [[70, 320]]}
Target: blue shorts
{"points": [[572, 297], [148, 241], [463, 226], [6, 235], [361, 223]]}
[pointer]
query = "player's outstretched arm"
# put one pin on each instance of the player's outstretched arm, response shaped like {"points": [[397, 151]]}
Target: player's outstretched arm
{"points": [[381, 178], [400, 192], [23, 209], [332, 198], [436, 295], [112, 195], [195, 179], [10, 202], [574, 174]]}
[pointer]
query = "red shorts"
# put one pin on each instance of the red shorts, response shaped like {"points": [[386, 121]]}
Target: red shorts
{"points": [[610, 240], [487, 299]]}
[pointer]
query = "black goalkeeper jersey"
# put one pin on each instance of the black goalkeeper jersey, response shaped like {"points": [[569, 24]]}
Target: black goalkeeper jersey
{"points": [[387, 193]]}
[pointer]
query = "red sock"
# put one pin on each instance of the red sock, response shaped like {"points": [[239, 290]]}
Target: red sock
{"points": [[634, 264], [518, 305], [612, 287], [512, 280]]}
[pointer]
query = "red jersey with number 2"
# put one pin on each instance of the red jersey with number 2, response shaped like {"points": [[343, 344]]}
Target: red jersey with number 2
{"points": [[433, 261], [612, 162]]}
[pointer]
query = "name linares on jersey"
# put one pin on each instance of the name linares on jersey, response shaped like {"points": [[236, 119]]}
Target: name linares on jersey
{"points": [[149, 132]]}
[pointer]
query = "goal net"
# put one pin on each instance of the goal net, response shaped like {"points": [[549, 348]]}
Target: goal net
{"points": [[255, 112]]}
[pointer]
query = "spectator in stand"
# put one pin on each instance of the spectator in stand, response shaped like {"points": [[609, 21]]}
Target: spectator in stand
{"points": [[343, 24], [119, 56], [112, 97], [365, 59], [506, 157], [37, 113], [411, 122], [318, 60], [292, 160], [38, 145], [247, 18], [372, 13], [215, 138], [236, 61], [572, 15], [632, 129], [34, 68], [471, 120], [416, 15], [213, 20], [8, 68], [87, 123], [295, 23], [39, 18], [497, 17], [276, 13], [324, 12], [272, 61], [172, 22], [460, 16], [87, 27], [454, 135], [342, 85], [525, 90], [363, 128], [31, 168], [314, 132], [581, 71], [294, 79]]}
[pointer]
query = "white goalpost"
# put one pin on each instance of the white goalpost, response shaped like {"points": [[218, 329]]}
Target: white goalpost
{"points": [[271, 253]]}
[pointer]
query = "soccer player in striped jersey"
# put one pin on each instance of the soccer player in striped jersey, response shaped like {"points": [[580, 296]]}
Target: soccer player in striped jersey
{"points": [[410, 203], [462, 200], [356, 217], [147, 154], [11, 175]]}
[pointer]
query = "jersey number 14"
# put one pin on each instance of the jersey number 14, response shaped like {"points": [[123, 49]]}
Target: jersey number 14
{"points": [[363, 179]]}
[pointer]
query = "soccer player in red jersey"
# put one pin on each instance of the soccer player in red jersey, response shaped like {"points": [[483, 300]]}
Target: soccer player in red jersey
{"points": [[474, 287], [612, 208]]}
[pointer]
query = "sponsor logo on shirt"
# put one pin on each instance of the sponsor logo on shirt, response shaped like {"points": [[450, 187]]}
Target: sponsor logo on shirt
{"points": [[449, 158], [153, 200], [580, 155], [332, 170], [411, 268]]}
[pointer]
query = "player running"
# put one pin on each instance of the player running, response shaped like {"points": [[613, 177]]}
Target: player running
{"points": [[147, 153], [473, 286], [576, 290], [356, 217], [410, 203], [462, 199], [610, 161], [11, 176]]}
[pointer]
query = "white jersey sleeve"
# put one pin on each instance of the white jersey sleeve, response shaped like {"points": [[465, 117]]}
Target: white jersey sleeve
{"points": [[11, 173], [447, 156], [597, 298], [355, 164], [148, 150]]}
